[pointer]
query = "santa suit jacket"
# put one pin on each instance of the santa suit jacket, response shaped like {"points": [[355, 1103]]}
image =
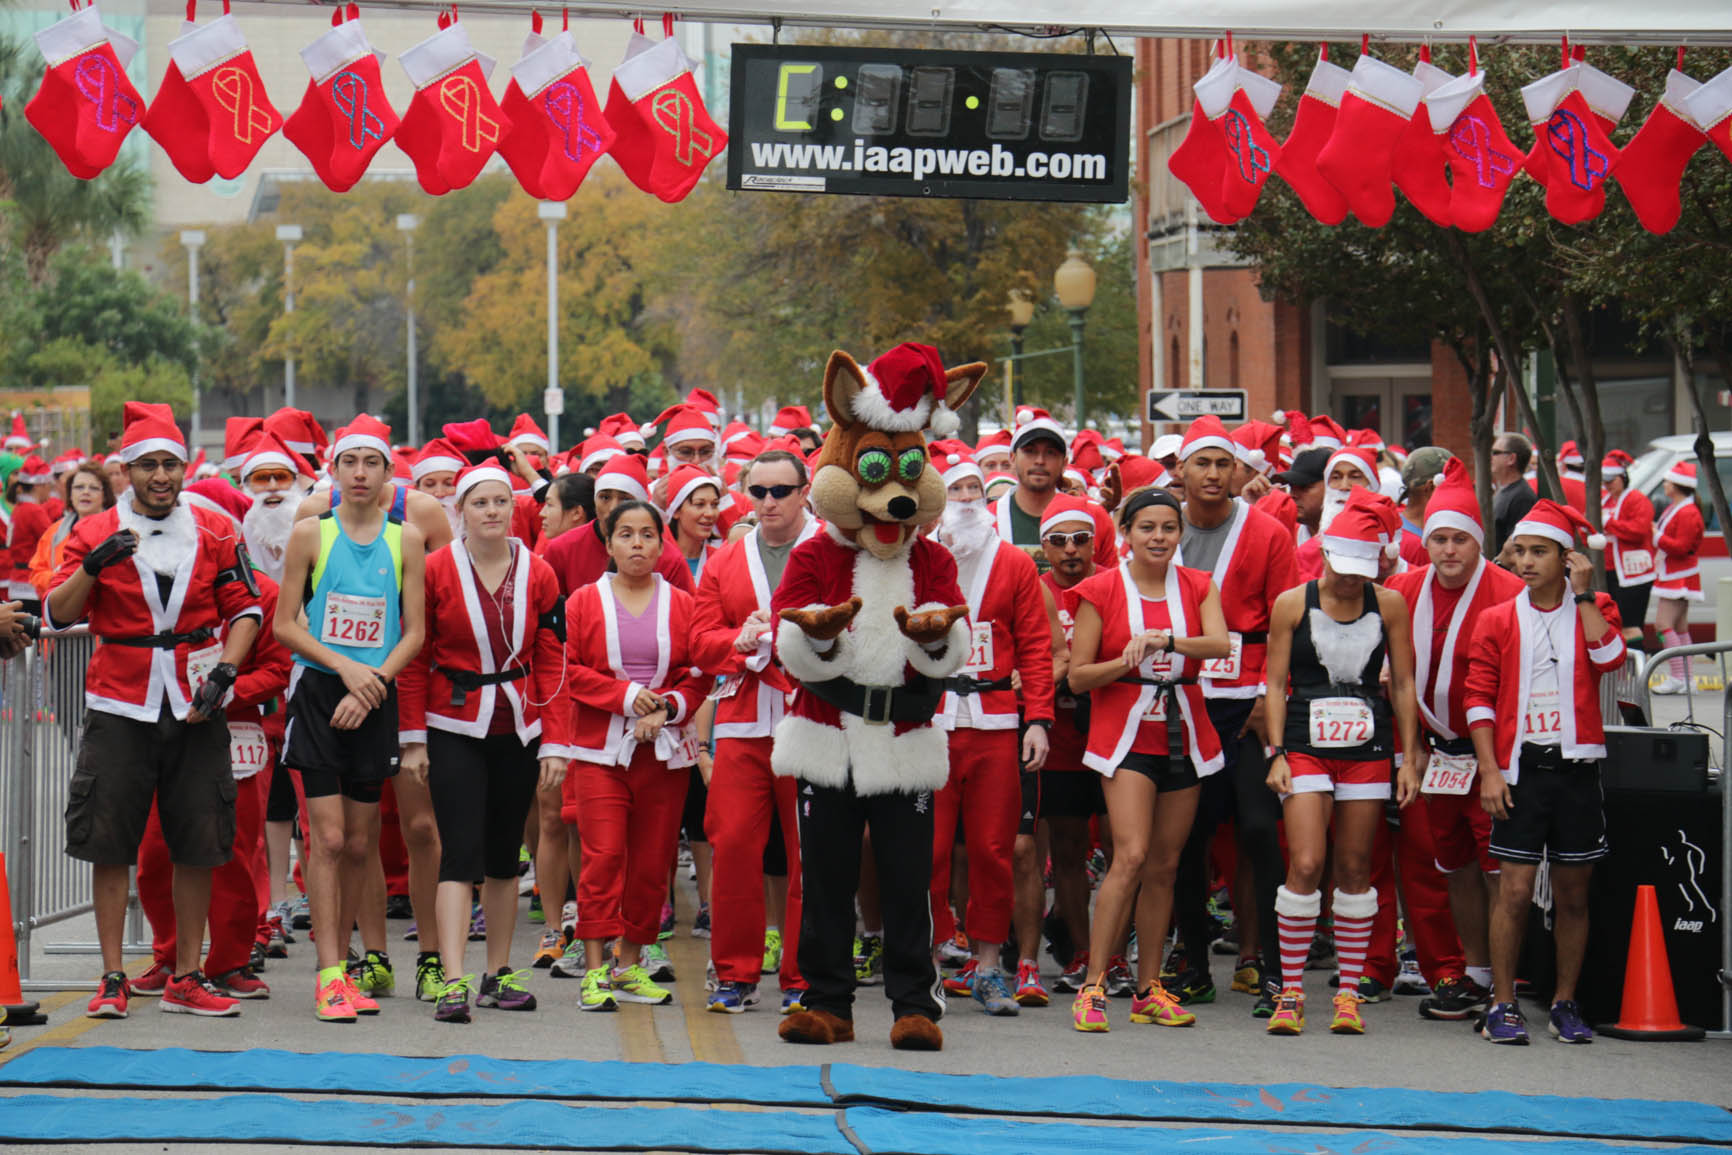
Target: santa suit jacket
{"points": [[816, 742], [579, 557], [1009, 631], [1257, 565], [1497, 681], [1443, 704], [754, 691], [602, 692], [256, 699], [210, 590], [1677, 537], [30, 521], [457, 640], [1630, 537], [1068, 743]]}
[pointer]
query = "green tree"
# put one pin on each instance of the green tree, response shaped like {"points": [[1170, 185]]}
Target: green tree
{"points": [[1109, 340], [119, 313]]}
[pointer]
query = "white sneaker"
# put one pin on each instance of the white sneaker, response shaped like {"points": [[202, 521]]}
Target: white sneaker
{"points": [[526, 882], [1670, 685], [571, 964], [1410, 981], [568, 916]]}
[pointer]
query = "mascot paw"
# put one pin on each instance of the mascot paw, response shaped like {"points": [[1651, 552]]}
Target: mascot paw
{"points": [[916, 1033], [929, 627], [826, 624], [816, 1027]]}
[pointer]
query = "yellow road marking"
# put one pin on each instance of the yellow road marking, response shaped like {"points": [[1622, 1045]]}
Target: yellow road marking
{"points": [[712, 1036], [52, 1036]]}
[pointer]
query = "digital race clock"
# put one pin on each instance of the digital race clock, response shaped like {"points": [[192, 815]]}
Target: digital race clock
{"points": [[908, 122]]}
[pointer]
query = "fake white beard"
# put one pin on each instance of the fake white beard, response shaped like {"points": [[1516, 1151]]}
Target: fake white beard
{"points": [[1334, 501], [1343, 648], [267, 530], [967, 528], [162, 545], [449, 505]]}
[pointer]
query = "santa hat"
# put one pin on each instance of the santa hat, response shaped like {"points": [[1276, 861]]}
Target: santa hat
{"points": [[624, 473], [748, 445], [705, 402], [656, 463], [1206, 432], [1453, 503], [1297, 425], [736, 430], [596, 448], [1085, 451], [19, 438], [1683, 473], [623, 429], [789, 418], [474, 475], [998, 441], [681, 423], [999, 477], [218, 496], [66, 462], [1113, 448], [1065, 509], [266, 450], [1078, 476], [403, 464], [785, 443], [1365, 531], [1139, 472], [687, 480], [148, 427], [1032, 423], [905, 390], [1361, 459], [1325, 433], [437, 456], [1559, 523], [238, 434], [34, 471], [524, 431], [298, 430], [364, 432], [1396, 452], [1616, 464], [1258, 445], [955, 462], [1365, 439], [1166, 445], [1570, 455], [469, 437]]}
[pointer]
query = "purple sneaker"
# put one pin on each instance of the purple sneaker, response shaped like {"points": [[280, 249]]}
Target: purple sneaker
{"points": [[477, 924], [1504, 1024], [505, 991], [1567, 1025], [453, 1004]]}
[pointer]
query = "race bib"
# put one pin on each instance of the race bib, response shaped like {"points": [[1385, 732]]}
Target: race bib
{"points": [[1449, 773], [248, 751], [351, 620], [1635, 562], [199, 664], [1337, 723], [1545, 716], [1157, 711], [1227, 668], [980, 654]]}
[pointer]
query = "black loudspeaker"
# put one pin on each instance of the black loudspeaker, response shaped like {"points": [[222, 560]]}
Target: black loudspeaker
{"points": [[1646, 759]]}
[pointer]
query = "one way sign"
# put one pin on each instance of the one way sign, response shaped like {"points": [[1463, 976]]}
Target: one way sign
{"points": [[1188, 404]]}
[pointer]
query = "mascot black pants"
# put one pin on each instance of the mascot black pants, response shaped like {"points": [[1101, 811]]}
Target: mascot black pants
{"points": [[831, 824]]}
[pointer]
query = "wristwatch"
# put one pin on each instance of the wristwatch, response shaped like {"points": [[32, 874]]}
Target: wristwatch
{"points": [[1277, 751], [1587, 597]]}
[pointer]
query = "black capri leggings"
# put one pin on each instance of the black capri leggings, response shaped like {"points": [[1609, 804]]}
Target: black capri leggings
{"points": [[481, 789]]}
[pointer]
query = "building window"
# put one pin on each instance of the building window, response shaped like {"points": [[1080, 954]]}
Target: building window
{"points": [[1233, 360], [1174, 381]]}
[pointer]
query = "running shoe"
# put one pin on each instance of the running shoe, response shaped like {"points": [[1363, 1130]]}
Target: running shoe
{"points": [[1504, 1024], [793, 999], [193, 994], [429, 977], [668, 920], [277, 945], [398, 906], [1322, 954], [1289, 1016], [477, 923], [363, 1004], [633, 985], [597, 994], [1248, 978], [1266, 999], [152, 981], [962, 982], [1454, 999], [413, 934], [1410, 981], [772, 951], [1119, 983], [992, 992], [655, 961], [241, 983], [536, 914], [572, 964], [256, 957], [869, 960], [1029, 991], [1088, 1011], [453, 1004], [1347, 1020], [1669, 685], [331, 1002], [1372, 991], [701, 922], [1075, 976], [1566, 1023], [372, 975], [284, 914], [550, 949], [711, 981], [1155, 1005], [525, 864], [955, 951], [526, 880], [729, 998], [1227, 944], [302, 916], [109, 1002], [505, 991], [568, 919], [1193, 986], [1178, 962]]}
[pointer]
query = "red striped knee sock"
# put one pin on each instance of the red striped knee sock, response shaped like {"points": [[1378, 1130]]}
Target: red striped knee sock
{"points": [[1296, 922], [1354, 914]]}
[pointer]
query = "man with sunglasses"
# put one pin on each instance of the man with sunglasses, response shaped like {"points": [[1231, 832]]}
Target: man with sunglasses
{"points": [[732, 625]]}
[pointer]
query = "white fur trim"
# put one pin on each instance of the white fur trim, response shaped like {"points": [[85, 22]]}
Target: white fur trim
{"points": [[208, 45], [641, 74], [359, 441], [131, 453], [258, 461], [958, 470], [882, 761], [1343, 648], [547, 62], [1215, 90], [800, 655], [338, 47], [1355, 905], [692, 487], [1450, 519], [1546, 530], [680, 436], [1430, 76], [435, 465], [1262, 91], [1672, 475], [871, 406], [440, 54], [476, 477], [1386, 86], [1064, 516], [1328, 83], [1447, 101], [1596, 541], [1711, 103], [1029, 428], [810, 751], [1606, 94], [944, 421], [947, 661], [1298, 905], [1542, 97], [1186, 449], [1480, 714], [620, 483], [76, 34]]}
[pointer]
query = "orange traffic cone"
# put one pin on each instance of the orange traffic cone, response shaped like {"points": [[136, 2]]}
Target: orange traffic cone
{"points": [[18, 1012], [1650, 1009]]}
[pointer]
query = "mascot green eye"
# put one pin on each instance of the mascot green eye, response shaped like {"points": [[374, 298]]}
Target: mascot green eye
{"points": [[874, 466], [910, 464]]}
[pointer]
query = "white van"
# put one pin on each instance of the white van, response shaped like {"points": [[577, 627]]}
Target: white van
{"points": [[1646, 474]]}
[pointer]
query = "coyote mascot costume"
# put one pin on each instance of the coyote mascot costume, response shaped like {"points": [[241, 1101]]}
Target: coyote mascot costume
{"points": [[871, 623]]}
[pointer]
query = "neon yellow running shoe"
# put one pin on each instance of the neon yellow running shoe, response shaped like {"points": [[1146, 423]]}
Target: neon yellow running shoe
{"points": [[1347, 1019], [632, 984], [1289, 1016], [597, 992], [772, 951], [1157, 1005]]}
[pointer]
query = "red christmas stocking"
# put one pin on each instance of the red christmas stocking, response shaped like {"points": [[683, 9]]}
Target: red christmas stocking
{"points": [[557, 128], [1312, 125], [1573, 112], [1651, 166], [660, 121], [220, 71], [1711, 107], [1201, 160], [176, 121], [1252, 151], [1418, 166], [85, 105], [343, 119], [1482, 159], [1374, 115], [453, 125]]}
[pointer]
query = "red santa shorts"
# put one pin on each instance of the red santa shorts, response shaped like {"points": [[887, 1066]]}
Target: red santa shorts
{"points": [[1461, 831], [1349, 781]]}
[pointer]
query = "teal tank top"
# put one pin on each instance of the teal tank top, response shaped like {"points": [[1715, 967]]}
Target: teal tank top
{"points": [[354, 592]]}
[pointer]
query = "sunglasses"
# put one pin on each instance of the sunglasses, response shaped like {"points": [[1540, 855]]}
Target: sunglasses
{"points": [[270, 477], [1079, 539], [778, 492]]}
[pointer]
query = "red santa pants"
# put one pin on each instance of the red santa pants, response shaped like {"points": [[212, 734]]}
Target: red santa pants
{"points": [[629, 823], [985, 787], [393, 852], [234, 909], [743, 797], [1424, 891]]}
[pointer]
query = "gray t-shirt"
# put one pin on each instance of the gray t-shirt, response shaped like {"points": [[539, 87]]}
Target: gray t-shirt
{"points": [[1202, 547], [775, 558]]}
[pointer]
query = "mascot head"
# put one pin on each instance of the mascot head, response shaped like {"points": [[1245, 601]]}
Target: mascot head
{"points": [[872, 480]]}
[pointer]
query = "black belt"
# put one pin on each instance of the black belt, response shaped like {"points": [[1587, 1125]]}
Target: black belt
{"points": [[962, 684], [470, 680], [1169, 689], [164, 641], [914, 702], [1254, 638], [1455, 747], [1552, 758]]}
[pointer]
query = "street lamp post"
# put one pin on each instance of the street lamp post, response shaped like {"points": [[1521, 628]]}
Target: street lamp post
{"points": [[553, 401], [193, 239], [406, 223], [1074, 283], [289, 235], [1021, 310]]}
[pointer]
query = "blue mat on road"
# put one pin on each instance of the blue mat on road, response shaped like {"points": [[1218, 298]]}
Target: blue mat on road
{"points": [[1285, 1104]]}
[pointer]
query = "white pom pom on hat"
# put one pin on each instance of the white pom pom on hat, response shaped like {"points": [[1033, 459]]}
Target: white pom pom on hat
{"points": [[1392, 550], [1280, 417], [1596, 541], [952, 458]]}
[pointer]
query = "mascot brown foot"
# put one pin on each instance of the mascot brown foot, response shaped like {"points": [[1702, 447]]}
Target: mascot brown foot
{"points": [[916, 1033], [818, 1027]]}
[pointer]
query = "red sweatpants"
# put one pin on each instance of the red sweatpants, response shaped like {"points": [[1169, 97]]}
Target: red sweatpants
{"points": [[639, 807], [393, 853], [985, 787], [1408, 858], [234, 909], [743, 796]]}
